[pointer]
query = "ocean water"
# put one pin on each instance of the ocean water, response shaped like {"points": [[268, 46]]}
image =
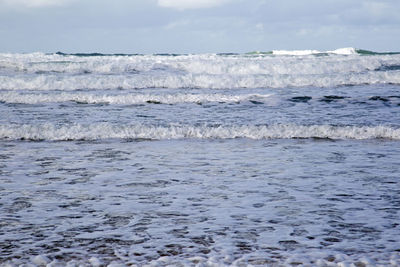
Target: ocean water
{"points": [[283, 158]]}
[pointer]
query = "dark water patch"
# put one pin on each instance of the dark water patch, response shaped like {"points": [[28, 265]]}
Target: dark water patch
{"points": [[289, 244], [80, 180], [132, 71], [155, 184], [153, 102], [388, 68], [45, 164], [171, 250], [43, 72], [300, 99], [180, 232], [8, 248], [299, 232], [80, 102], [19, 204], [317, 139], [227, 54], [171, 214], [137, 140], [76, 171], [379, 98], [279, 221], [33, 139], [4, 156], [117, 221], [145, 116], [365, 52], [332, 239], [376, 155], [95, 54], [203, 240], [332, 98], [73, 204], [109, 154], [244, 247], [336, 157], [168, 54], [336, 199]]}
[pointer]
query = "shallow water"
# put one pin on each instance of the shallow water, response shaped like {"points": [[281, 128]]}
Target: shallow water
{"points": [[211, 176], [138, 201]]}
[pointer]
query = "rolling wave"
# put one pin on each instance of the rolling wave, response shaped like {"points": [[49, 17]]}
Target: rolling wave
{"points": [[38, 63], [339, 51], [50, 132], [211, 81], [39, 71], [126, 99]]}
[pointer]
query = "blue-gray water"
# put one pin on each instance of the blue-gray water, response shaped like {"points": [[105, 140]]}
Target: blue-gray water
{"points": [[205, 160]]}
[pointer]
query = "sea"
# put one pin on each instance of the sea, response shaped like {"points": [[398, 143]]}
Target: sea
{"points": [[279, 158]]}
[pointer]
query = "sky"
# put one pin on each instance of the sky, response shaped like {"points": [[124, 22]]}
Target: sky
{"points": [[197, 26]]}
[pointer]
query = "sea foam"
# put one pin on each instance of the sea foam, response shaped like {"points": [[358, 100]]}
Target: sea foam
{"points": [[67, 72], [101, 82], [126, 99], [340, 51], [98, 131]]}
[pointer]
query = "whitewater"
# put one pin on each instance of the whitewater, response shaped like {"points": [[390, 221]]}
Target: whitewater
{"points": [[277, 158]]}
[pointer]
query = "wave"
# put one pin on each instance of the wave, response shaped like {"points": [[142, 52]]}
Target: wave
{"points": [[94, 54], [16, 97], [191, 64], [61, 72], [373, 53], [126, 99], [50, 132], [26, 60], [340, 51], [205, 81]]}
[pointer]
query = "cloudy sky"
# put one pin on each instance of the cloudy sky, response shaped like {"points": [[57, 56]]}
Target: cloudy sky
{"points": [[197, 26]]}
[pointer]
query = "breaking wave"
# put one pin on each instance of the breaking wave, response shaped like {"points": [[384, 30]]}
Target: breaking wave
{"points": [[223, 81], [50, 132], [339, 51], [278, 69], [126, 99]]}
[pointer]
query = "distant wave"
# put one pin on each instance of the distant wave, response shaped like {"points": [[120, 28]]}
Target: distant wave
{"points": [[50, 132], [339, 51], [38, 71]]}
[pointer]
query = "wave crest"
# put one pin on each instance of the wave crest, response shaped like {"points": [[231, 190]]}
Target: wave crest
{"points": [[126, 99], [50, 132]]}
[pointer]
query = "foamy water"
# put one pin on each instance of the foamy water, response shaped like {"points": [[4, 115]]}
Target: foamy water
{"points": [[283, 158]]}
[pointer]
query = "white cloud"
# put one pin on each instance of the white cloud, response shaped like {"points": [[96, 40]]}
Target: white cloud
{"points": [[190, 4], [34, 3]]}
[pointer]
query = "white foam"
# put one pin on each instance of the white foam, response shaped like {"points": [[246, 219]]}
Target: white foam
{"points": [[295, 52], [109, 131], [339, 51], [223, 81], [322, 259], [126, 99], [55, 72], [344, 51]]}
